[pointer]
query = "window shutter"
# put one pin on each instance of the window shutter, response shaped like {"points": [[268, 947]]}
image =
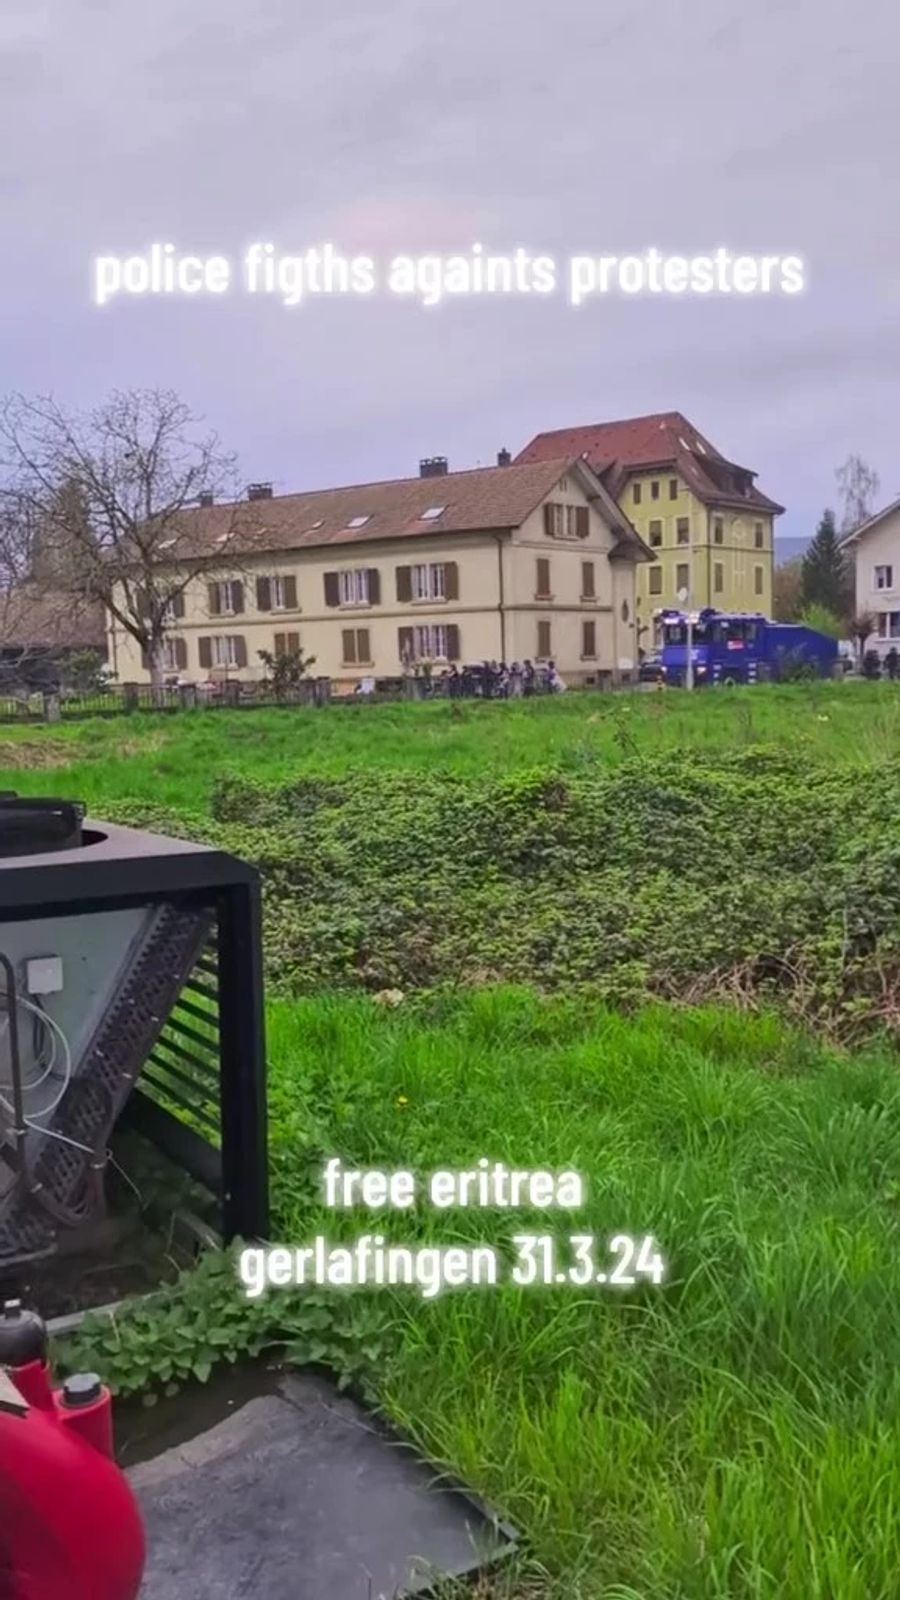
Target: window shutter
{"points": [[451, 580], [204, 652], [293, 643], [374, 587], [212, 591], [290, 593], [279, 645], [582, 525], [332, 591], [452, 642], [178, 604], [404, 583], [240, 650], [237, 596], [543, 575], [587, 579], [145, 658], [349, 638], [405, 643], [363, 652], [181, 654], [543, 648], [588, 639], [142, 604], [549, 510], [263, 594]]}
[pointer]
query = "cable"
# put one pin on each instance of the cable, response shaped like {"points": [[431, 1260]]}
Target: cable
{"points": [[54, 1032]]}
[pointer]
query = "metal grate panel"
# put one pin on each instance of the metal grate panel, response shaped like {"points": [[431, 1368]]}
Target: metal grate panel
{"points": [[63, 1189]]}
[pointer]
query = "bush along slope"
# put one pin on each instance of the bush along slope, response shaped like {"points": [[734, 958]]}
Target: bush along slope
{"points": [[763, 875]]}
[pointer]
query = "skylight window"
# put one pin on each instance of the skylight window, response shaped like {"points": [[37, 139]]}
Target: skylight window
{"points": [[701, 448], [314, 525], [683, 442], [431, 513], [166, 544], [222, 538], [359, 522]]}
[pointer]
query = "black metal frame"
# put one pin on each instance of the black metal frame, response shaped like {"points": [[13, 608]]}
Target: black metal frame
{"points": [[119, 868]]}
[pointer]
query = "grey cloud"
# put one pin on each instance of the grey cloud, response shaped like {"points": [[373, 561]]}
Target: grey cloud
{"points": [[415, 126]]}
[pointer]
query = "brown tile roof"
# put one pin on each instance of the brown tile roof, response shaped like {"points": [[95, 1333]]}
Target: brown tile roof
{"points": [[662, 439], [486, 498], [32, 618]]}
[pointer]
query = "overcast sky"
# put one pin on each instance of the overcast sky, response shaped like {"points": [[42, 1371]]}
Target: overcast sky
{"points": [[603, 126]]}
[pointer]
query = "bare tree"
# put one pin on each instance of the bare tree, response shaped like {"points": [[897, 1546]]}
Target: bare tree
{"points": [[103, 506], [787, 591], [862, 626], [858, 486]]}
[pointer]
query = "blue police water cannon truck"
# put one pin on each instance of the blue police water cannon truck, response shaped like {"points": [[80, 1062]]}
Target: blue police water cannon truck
{"points": [[732, 647]]}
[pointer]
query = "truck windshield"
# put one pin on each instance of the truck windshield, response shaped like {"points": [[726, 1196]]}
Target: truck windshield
{"points": [[676, 633], [734, 629]]}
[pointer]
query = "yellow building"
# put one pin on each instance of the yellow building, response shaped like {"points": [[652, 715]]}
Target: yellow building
{"points": [[506, 563], [710, 529]]}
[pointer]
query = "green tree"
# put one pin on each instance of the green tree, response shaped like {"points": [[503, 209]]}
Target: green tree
{"points": [[823, 621], [287, 671], [825, 575]]}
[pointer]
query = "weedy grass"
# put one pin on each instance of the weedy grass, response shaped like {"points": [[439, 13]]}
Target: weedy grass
{"points": [[731, 1433]]}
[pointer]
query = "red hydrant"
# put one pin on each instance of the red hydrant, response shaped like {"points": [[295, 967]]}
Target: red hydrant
{"points": [[70, 1528]]}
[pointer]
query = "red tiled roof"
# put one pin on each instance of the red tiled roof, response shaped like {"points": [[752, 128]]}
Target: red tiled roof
{"points": [[34, 618], [485, 498], [662, 439]]}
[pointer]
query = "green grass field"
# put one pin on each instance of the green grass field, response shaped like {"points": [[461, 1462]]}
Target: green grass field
{"points": [[175, 759], [730, 1434]]}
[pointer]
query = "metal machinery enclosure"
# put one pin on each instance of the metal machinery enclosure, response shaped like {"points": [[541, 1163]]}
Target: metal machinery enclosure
{"points": [[160, 1010]]}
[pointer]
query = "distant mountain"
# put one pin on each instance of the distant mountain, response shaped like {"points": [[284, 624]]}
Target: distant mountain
{"points": [[790, 550]]}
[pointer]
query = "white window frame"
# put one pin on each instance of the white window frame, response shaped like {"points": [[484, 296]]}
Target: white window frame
{"points": [[430, 642], [889, 625], [225, 597], [277, 592], [170, 661], [429, 581], [223, 650], [353, 586], [883, 577]]}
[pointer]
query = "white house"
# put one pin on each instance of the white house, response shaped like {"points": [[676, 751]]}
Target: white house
{"points": [[875, 549]]}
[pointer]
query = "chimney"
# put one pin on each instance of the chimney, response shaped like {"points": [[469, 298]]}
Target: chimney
{"points": [[259, 491], [503, 458], [433, 467], [205, 498]]}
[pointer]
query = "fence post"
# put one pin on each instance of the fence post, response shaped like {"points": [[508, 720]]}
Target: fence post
{"points": [[52, 707], [322, 691], [129, 697], [187, 693]]}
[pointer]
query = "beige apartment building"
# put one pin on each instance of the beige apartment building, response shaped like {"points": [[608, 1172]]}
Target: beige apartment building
{"points": [[502, 563], [710, 529]]}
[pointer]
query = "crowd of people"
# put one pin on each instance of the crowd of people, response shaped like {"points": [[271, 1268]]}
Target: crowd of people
{"points": [[494, 680], [877, 666]]}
